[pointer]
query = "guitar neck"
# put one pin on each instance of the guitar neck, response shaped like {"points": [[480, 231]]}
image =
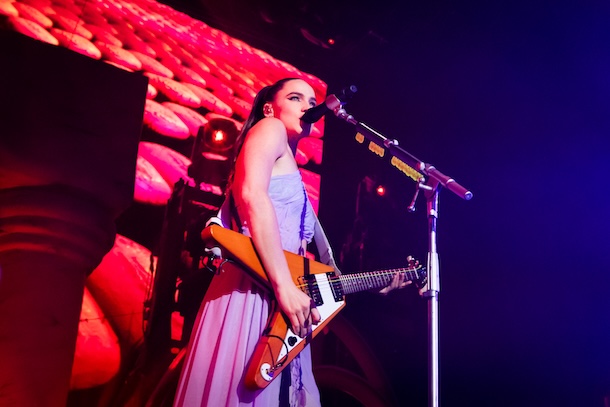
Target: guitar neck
{"points": [[353, 283]]}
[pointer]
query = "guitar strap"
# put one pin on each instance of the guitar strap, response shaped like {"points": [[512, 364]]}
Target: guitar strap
{"points": [[227, 215], [237, 225], [324, 250]]}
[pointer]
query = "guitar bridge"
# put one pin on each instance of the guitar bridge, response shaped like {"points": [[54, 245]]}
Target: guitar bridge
{"points": [[311, 288]]}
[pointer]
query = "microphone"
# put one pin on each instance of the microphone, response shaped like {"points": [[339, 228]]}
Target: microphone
{"points": [[330, 104]]}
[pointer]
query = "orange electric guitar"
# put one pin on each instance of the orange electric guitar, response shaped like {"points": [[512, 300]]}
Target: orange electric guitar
{"points": [[278, 344]]}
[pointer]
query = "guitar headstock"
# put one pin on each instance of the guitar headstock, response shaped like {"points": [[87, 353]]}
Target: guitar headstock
{"points": [[422, 276], [412, 262]]}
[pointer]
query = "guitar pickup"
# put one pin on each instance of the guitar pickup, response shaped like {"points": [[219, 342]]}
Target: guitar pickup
{"points": [[336, 286], [312, 289]]}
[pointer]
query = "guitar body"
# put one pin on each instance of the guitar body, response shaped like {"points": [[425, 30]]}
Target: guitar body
{"points": [[278, 344]]}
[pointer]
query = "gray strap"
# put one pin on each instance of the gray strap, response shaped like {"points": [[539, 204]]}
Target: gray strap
{"points": [[324, 250]]}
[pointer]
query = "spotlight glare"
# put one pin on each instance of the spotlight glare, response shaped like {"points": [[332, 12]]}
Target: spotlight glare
{"points": [[219, 136]]}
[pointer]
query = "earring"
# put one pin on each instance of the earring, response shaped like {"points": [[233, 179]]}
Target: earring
{"points": [[268, 111]]}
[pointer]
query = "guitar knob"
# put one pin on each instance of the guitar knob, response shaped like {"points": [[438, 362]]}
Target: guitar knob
{"points": [[292, 340]]}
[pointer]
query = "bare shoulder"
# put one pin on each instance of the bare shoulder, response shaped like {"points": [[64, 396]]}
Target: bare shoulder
{"points": [[270, 125], [267, 136], [268, 131]]}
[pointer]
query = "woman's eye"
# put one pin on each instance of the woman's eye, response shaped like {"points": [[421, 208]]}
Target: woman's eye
{"points": [[295, 98], [312, 104]]}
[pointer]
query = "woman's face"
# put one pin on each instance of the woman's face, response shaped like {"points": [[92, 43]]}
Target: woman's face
{"points": [[291, 102]]}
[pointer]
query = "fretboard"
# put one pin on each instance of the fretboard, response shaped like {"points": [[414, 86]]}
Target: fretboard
{"points": [[353, 283]]}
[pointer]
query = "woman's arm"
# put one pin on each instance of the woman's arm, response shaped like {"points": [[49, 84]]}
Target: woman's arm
{"points": [[265, 144]]}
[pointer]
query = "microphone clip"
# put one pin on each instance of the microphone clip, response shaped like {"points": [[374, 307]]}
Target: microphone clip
{"points": [[332, 103]]}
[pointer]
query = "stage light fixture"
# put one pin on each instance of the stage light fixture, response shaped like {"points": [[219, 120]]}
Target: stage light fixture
{"points": [[213, 152], [380, 190]]}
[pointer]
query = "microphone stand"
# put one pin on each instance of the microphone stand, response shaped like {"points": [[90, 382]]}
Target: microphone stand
{"points": [[431, 187]]}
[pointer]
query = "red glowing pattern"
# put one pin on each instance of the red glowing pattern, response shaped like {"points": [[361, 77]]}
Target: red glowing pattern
{"points": [[194, 70], [195, 73]]}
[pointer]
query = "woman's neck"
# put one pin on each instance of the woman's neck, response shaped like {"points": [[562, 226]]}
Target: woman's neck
{"points": [[293, 142]]}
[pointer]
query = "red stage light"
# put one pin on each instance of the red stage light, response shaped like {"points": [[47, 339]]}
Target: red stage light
{"points": [[219, 136]]}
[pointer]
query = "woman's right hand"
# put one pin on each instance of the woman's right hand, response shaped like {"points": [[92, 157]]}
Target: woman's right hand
{"points": [[298, 308]]}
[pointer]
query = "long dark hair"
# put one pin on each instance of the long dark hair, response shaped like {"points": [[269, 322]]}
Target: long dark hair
{"points": [[265, 95]]}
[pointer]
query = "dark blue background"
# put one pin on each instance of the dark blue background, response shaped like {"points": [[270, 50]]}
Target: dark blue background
{"points": [[512, 100]]}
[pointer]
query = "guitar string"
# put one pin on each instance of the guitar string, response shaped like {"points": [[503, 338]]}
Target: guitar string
{"points": [[360, 279]]}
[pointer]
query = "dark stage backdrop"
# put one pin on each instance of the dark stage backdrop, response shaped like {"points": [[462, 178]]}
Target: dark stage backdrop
{"points": [[512, 100]]}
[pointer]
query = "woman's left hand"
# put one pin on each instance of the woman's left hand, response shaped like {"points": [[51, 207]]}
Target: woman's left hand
{"points": [[399, 281]]}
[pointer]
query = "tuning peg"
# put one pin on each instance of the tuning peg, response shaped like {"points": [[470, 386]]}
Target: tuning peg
{"points": [[412, 262]]}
